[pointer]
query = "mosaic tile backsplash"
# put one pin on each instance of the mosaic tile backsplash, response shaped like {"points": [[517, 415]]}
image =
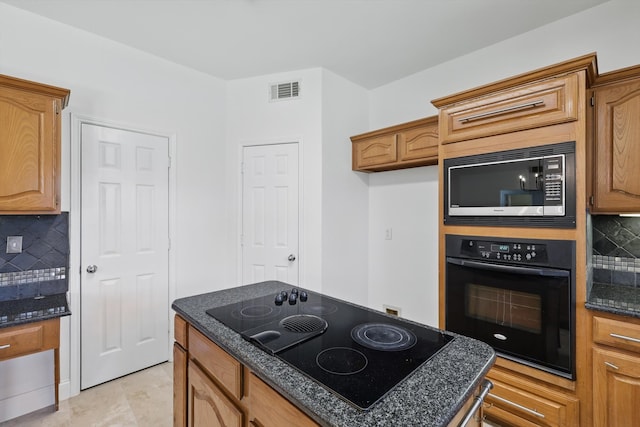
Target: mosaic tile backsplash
{"points": [[616, 250], [41, 268]]}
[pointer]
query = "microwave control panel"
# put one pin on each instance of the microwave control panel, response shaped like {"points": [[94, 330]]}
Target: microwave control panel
{"points": [[505, 251]]}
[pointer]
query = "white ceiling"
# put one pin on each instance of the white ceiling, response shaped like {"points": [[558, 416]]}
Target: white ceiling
{"points": [[370, 42]]}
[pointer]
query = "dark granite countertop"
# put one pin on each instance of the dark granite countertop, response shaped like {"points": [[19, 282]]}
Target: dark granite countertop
{"points": [[617, 299], [27, 310], [431, 396]]}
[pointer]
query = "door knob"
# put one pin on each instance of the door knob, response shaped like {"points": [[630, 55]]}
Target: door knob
{"points": [[92, 268], [292, 257]]}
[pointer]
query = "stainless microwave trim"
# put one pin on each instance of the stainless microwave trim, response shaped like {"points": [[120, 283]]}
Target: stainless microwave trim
{"points": [[556, 210]]}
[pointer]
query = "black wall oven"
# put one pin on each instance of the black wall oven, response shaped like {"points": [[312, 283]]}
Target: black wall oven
{"points": [[516, 295]]}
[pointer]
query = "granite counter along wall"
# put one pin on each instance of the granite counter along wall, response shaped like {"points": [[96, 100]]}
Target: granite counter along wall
{"points": [[41, 268], [616, 258]]}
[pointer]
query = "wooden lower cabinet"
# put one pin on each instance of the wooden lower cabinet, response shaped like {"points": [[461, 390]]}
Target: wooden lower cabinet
{"points": [[616, 388], [616, 371], [516, 401], [211, 388], [30, 338]]}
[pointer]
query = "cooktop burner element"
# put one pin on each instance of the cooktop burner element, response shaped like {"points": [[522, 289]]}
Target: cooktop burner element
{"points": [[384, 337], [357, 353], [341, 360]]}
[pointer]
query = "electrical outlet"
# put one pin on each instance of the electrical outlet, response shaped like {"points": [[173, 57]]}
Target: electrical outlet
{"points": [[389, 309], [14, 244]]}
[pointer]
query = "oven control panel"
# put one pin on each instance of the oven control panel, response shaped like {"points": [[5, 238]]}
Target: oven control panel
{"points": [[519, 252]]}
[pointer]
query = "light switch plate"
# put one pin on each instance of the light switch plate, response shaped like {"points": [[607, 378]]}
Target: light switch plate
{"points": [[14, 244]]}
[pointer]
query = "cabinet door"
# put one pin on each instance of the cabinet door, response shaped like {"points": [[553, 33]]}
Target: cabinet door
{"points": [[208, 406], [374, 152], [419, 143], [616, 389], [30, 147], [616, 179]]}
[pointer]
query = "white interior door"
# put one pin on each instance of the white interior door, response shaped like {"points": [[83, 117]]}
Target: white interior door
{"points": [[124, 255], [270, 213]]}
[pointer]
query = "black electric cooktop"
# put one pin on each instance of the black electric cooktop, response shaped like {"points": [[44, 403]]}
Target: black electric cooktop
{"points": [[356, 353]]}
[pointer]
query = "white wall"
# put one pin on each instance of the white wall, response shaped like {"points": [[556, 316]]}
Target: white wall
{"points": [[112, 82], [345, 210], [253, 120], [333, 237], [610, 29]]}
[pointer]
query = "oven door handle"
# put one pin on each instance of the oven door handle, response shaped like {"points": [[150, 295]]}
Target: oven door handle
{"points": [[531, 271]]}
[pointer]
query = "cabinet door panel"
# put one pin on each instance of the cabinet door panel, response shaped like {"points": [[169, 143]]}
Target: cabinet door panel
{"points": [[208, 406], [616, 389], [375, 152], [529, 106], [617, 148], [419, 143]]}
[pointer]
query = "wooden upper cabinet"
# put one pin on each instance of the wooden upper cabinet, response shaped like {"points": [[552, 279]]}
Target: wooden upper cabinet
{"points": [[402, 146], [616, 140], [532, 105], [30, 146]]}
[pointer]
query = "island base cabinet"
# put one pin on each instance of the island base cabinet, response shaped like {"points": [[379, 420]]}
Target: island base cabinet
{"points": [[616, 388], [212, 388]]}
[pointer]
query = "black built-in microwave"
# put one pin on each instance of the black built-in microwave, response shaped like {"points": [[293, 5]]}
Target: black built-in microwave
{"points": [[530, 187]]}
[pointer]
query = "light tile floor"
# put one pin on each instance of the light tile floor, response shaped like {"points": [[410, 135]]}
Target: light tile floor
{"points": [[141, 399]]}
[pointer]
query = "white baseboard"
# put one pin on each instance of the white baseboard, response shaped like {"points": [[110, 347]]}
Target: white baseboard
{"points": [[16, 406]]}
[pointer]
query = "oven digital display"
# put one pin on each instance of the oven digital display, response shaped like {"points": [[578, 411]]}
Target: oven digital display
{"points": [[499, 248]]}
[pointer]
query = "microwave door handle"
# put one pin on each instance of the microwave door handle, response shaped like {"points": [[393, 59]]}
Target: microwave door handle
{"points": [[531, 271]]}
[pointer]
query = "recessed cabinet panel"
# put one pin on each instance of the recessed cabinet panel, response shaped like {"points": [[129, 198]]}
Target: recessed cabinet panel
{"points": [[616, 388], [30, 146]]}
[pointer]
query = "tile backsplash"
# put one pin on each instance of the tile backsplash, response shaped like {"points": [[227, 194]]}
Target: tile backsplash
{"points": [[616, 250], [41, 267]]}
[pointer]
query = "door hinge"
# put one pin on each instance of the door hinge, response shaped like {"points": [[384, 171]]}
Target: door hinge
{"points": [[242, 240], [57, 107], [591, 200], [242, 168], [169, 163], [593, 100], [169, 244]]}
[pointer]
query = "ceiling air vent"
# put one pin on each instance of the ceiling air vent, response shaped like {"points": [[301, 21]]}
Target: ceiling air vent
{"points": [[283, 91]]}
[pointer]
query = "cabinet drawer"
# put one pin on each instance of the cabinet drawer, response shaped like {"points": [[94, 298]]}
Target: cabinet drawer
{"points": [[507, 402], [30, 338], [269, 408], [220, 365], [615, 333], [533, 105]]}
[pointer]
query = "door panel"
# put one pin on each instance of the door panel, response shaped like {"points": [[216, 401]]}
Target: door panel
{"points": [[270, 213], [124, 303]]}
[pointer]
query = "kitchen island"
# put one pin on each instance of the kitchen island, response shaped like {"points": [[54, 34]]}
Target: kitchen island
{"points": [[433, 395]]}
